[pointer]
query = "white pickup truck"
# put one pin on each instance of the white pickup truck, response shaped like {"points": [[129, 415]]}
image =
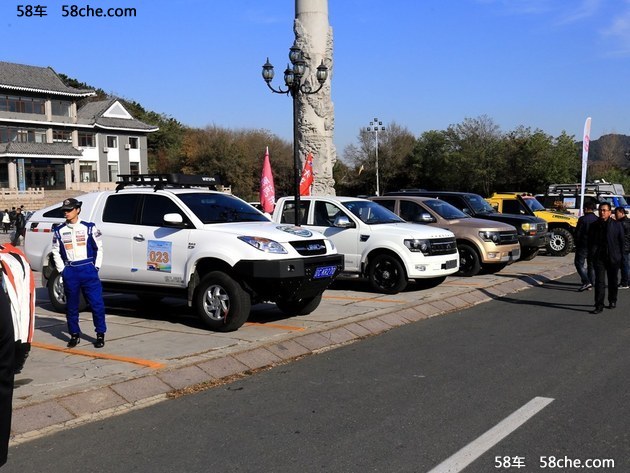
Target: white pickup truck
{"points": [[165, 235], [375, 242]]}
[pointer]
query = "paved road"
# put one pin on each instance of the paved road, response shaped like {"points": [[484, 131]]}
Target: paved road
{"points": [[543, 379], [154, 350]]}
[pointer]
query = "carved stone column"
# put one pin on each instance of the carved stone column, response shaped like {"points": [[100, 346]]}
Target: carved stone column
{"points": [[316, 120]]}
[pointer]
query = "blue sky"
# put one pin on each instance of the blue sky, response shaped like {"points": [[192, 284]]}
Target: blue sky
{"points": [[428, 64]]}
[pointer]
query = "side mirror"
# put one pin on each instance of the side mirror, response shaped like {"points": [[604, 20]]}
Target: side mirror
{"points": [[424, 217], [174, 220], [342, 221], [467, 211]]}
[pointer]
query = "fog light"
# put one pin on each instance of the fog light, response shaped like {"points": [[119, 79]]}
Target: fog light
{"points": [[421, 267], [492, 255]]}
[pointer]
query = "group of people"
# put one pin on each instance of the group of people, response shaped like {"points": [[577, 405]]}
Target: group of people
{"points": [[78, 254], [14, 218], [602, 252]]}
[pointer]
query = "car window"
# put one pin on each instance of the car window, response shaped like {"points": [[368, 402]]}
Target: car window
{"points": [[388, 204], [478, 204], [55, 213], [445, 210], [121, 208], [288, 212], [371, 213], [154, 207], [533, 204], [410, 211], [220, 208], [325, 214], [511, 207]]}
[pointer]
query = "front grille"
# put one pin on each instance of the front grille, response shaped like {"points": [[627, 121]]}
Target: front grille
{"points": [[443, 246], [507, 238], [541, 227], [310, 247]]}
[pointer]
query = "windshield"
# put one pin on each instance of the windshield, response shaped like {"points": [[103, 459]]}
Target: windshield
{"points": [[479, 204], [445, 210], [614, 200], [221, 208], [534, 204], [372, 213]]}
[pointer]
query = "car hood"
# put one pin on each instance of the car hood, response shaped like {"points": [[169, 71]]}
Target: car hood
{"points": [[410, 230], [479, 223], [274, 231], [553, 216], [520, 219]]}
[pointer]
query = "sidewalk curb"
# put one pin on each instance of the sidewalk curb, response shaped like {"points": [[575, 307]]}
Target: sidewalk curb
{"points": [[37, 420]]}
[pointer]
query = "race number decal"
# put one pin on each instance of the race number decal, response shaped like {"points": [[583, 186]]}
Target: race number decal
{"points": [[159, 256]]}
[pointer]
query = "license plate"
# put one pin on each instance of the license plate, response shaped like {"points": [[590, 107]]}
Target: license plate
{"points": [[324, 272], [452, 263]]}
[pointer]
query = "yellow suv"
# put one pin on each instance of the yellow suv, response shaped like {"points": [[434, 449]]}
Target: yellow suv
{"points": [[561, 225]]}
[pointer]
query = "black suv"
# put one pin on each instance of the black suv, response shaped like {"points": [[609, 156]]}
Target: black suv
{"points": [[532, 231]]}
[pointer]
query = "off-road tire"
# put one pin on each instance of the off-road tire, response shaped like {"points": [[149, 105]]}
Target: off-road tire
{"points": [[387, 274], [560, 243], [221, 302], [469, 261]]}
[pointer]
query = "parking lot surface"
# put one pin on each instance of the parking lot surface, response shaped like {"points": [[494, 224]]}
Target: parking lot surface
{"points": [[154, 351]]}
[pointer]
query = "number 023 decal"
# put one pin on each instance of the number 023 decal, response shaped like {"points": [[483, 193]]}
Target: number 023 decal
{"points": [[159, 256]]}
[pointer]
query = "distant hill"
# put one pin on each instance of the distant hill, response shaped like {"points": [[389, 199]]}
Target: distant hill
{"points": [[612, 147]]}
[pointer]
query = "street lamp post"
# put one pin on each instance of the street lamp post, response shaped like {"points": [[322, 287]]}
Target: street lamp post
{"points": [[374, 127], [293, 79]]}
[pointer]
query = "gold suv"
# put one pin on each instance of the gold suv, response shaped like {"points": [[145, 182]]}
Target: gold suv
{"points": [[483, 245]]}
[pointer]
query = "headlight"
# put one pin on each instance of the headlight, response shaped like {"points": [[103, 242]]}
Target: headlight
{"points": [[264, 244], [529, 227], [416, 245], [490, 236]]}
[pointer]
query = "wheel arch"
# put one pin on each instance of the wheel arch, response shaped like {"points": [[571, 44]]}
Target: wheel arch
{"points": [[200, 268], [380, 251]]}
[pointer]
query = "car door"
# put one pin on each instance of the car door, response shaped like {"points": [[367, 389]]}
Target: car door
{"points": [[345, 239], [119, 214], [159, 253]]}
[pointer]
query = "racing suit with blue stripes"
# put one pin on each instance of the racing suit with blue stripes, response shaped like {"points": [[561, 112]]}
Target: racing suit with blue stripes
{"points": [[78, 253]]}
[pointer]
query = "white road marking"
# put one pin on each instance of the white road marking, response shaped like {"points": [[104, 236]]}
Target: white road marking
{"points": [[478, 447]]}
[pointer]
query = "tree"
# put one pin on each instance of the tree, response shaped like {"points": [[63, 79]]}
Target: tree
{"points": [[475, 146]]}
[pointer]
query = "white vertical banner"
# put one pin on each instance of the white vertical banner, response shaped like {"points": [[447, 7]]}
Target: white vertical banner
{"points": [[585, 144]]}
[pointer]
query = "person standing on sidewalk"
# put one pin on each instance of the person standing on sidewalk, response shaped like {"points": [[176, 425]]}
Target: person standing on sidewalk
{"points": [[620, 216], [6, 221], [605, 247], [20, 227], [587, 275], [78, 253]]}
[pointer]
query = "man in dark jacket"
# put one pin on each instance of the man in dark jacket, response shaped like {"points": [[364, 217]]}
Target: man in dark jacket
{"points": [[587, 275], [20, 227], [605, 248], [620, 216]]}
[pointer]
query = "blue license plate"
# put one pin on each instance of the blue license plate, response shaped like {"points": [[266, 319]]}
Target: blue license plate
{"points": [[324, 272]]}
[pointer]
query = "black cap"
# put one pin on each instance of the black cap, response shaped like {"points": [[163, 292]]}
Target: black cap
{"points": [[71, 204]]}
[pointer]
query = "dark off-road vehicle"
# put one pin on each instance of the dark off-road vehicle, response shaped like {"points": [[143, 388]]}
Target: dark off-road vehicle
{"points": [[532, 231]]}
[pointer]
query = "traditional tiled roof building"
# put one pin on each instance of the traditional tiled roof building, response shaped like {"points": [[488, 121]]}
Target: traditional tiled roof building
{"points": [[53, 137]]}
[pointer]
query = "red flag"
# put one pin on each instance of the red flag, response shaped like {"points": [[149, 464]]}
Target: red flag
{"points": [[267, 189], [307, 176]]}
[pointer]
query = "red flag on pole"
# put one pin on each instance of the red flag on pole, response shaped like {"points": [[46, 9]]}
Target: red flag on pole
{"points": [[307, 176], [267, 189]]}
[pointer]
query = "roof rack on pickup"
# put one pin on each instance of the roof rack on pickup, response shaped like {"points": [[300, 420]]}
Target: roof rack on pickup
{"points": [[160, 181], [590, 188]]}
